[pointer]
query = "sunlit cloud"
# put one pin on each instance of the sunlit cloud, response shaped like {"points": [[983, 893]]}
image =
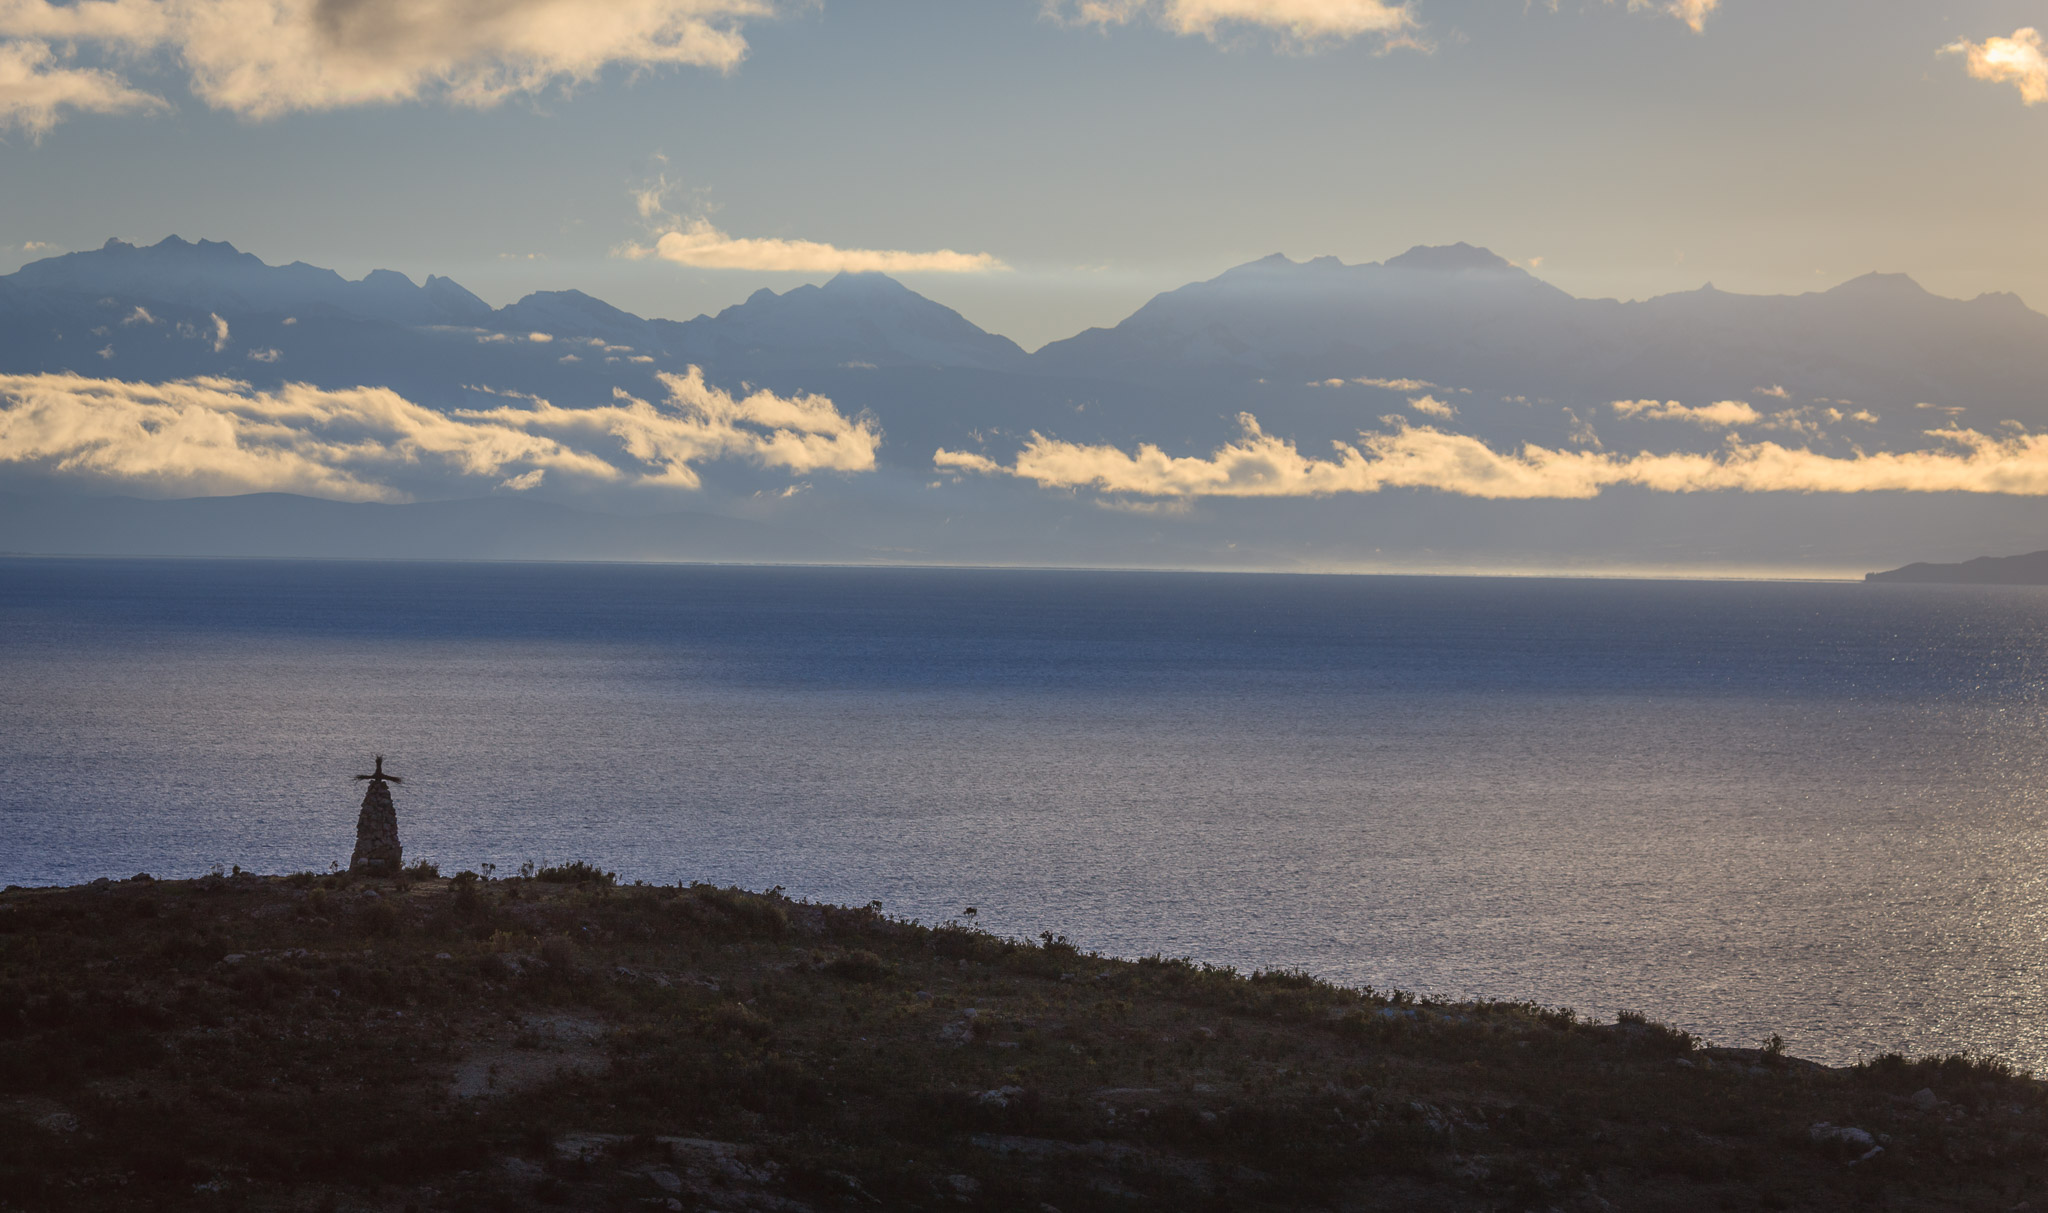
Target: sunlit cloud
{"points": [[1422, 457], [1432, 407], [1305, 22], [697, 243], [1724, 414], [2018, 61], [1693, 12], [261, 58], [213, 435], [37, 87]]}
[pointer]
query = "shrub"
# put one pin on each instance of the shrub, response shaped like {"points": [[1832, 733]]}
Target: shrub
{"points": [[380, 918], [738, 1019], [559, 951], [424, 869], [579, 872], [1286, 979], [857, 965], [732, 912]]}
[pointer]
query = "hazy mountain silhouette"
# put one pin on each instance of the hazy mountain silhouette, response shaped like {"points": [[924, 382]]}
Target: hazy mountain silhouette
{"points": [[1465, 319], [2030, 569], [857, 320], [213, 275], [1316, 350]]}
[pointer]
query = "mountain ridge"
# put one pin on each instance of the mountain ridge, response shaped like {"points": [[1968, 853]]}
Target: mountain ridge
{"points": [[171, 264], [1451, 339]]}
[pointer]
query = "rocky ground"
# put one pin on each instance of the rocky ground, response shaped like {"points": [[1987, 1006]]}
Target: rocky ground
{"points": [[321, 1043]]}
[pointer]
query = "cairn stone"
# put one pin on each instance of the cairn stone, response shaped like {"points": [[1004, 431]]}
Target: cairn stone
{"points": [[377, 850]]}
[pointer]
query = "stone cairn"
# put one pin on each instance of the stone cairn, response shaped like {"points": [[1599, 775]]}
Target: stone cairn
{"points": [[377, 851]]}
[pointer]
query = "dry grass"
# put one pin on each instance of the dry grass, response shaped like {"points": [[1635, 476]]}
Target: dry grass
{"points": [[318, 1043]]}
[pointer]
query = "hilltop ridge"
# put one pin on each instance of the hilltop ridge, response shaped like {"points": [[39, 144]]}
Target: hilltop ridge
{"points": [[560, 1039]]}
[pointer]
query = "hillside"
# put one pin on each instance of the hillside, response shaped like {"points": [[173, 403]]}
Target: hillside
{"points": [[322, 1042], [2030, 569]]}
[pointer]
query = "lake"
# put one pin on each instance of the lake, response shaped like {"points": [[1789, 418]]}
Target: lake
{"points": [[1742, 808]]}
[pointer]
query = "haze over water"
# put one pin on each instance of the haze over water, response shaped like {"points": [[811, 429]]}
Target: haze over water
{"points": [[1813, 809]]}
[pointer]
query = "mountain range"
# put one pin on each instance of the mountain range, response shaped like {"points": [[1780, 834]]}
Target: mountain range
{"points": [[1451, 337]]}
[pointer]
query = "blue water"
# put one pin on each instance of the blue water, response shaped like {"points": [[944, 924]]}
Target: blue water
{"points": [[1813, 809]]}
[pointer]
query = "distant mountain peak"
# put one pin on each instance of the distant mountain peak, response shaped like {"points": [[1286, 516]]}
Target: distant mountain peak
{"points": [[1450, 258], [865, 282], [853, 318], [1874, 285], [172, 245]]}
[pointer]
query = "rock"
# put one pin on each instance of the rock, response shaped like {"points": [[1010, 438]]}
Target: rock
{"points": [[998, 1098], [667, 1181], [1926, 1100], [963, 1185], [1825, 1134]]}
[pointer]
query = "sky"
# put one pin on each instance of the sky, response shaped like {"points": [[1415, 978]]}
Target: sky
{"points": [[1042, 168]]}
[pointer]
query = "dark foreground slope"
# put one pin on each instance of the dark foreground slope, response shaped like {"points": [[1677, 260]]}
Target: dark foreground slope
{"points": [[320, 1043]]}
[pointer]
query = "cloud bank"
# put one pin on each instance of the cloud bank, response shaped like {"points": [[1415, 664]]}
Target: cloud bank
{"points": [[261, 58], [699, 244], [1422, 457], [1306, 22], [2018, 61], [214, 436]]}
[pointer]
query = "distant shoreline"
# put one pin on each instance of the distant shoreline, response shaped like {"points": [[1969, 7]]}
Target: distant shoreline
{"points": [[2030, 569], [1841, 576]]}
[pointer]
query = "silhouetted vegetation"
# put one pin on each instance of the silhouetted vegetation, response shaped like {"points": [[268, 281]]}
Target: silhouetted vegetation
{"points": [[335, 1042], [578, 872]]}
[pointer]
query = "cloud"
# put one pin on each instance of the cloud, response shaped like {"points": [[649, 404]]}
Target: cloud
{"points": [[1305, 22], [262, 58], [271, 354], [1693, 12], [214, 435], [1431, 406], [1421, 457], [2017, 61], [1724, 414], [36, 246], [699, 244], [1774, 390], [36, 88]]}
